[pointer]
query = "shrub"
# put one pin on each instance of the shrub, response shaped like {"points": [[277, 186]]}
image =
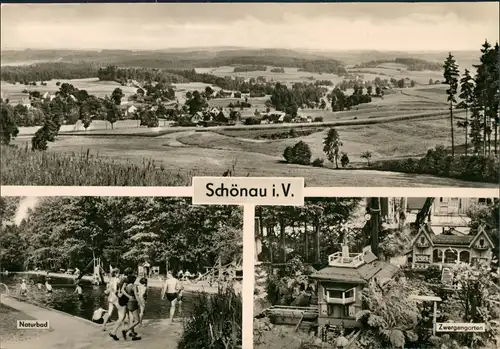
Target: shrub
{"points": [[299, 154], [318, 162], [318, 119], [344, 160], [252, 121], [437, 162], [216, 322]]}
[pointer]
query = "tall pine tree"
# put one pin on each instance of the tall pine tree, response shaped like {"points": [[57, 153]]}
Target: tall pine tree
{"points": [[451, 75], [467, 96]]}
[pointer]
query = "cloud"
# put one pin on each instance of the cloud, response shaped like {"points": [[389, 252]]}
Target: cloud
{"points": [[312, 26]]}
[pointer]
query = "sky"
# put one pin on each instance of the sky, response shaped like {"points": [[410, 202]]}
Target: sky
{"points": [[316, 26]]}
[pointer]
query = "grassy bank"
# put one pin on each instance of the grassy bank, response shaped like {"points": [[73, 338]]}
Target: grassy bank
{"points": [[21, 166]]}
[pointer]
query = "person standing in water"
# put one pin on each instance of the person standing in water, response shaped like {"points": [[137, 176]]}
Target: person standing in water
{"points": [[111, 291], [48, 286], [173, 291], [79, 291], [23, 288]]}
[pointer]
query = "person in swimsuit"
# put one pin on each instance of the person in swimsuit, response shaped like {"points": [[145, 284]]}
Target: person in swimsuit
{"points": [[111, 291], [173, 291], [142, 296], [122, 302], [131, 291]]}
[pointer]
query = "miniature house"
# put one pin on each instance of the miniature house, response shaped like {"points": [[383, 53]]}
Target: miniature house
{"points": [[444, 250], [340, 285]]}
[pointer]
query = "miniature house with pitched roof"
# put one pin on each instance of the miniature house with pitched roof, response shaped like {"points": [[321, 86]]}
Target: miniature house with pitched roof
{"points": [[444, 250], [341, 283]]}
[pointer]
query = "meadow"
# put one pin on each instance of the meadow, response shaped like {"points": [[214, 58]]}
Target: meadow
{"points": [[92, 85]]}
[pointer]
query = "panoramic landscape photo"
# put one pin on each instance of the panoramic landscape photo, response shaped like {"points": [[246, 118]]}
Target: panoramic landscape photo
{"points": [[109, 271], [377, 273], [340, 94]]}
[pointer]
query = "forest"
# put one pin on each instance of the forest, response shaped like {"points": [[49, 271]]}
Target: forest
{"points": [[66, 232]]}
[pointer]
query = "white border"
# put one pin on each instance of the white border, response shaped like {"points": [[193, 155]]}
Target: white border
{"points": [[9, 190]]}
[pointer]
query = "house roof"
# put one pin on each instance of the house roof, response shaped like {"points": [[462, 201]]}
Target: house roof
{"points": [[361, 274], [450, 239], [442, 239]]}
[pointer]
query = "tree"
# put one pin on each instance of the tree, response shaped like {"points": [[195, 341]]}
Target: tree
{"points": [[378, 90], [369, 90], [451, 75], [113, 111], [300, 154], [117, 95], [344, 160], [467, 96], [367, 155], [8, 126], [332, 146]]}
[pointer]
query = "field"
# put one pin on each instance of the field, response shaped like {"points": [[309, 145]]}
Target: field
{"points": [[92, 85]]}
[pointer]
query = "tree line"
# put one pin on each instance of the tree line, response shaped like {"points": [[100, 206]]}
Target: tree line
{"points": [[413, 64], [67, 232], [313, 234], [479, 96]]}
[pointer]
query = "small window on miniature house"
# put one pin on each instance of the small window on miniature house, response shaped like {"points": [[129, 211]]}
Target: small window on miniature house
{"points": [[481, 242], [349, 293], [422, 240], [440, 199], [335, 294]]}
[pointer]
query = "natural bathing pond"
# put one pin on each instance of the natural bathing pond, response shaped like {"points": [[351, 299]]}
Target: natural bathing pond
{"points": [[63, 299]]}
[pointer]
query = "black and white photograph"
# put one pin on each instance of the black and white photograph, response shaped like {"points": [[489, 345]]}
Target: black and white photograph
{"points": [[341, 94], [119, 272], [377, 273]]}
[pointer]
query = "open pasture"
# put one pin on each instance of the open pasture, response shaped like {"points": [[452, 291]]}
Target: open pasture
{"points": [[208, 153], [289, 77], [92, 85], [385, 141]]}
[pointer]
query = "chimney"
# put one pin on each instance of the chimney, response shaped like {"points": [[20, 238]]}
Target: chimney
{"points": [[375, 223]]}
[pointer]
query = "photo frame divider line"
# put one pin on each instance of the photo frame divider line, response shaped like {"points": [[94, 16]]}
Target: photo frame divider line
{"points": [[248, 274]]}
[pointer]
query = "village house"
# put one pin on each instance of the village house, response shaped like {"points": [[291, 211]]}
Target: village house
{"points": [[197, 117], [341, 283], [445, 250], [26, 102], [130, 111], [274, 117]]}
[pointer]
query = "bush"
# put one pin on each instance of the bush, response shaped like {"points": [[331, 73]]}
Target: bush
{"points": [[318, 119], [252, 121], [299, 154], [344, 160], [318, 162], [437, 162], [216, 322]]}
